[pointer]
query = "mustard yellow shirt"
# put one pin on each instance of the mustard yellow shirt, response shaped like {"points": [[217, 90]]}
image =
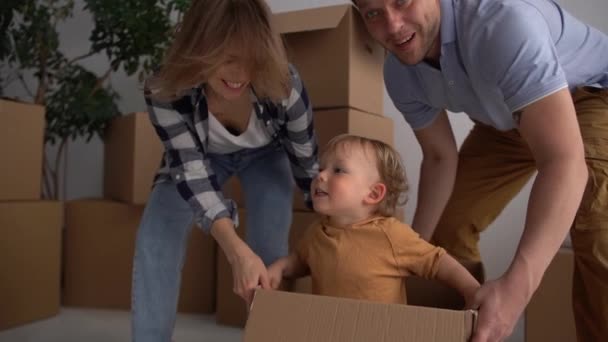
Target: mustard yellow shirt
{"points": [[368, 260]]}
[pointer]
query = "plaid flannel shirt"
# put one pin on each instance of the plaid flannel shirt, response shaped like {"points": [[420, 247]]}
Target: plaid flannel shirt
{"points": [[182, 126]]}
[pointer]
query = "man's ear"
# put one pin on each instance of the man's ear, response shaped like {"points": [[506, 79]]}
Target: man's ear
{"points": [[376, 194]]}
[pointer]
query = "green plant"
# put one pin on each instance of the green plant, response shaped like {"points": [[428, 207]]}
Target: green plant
{"points": [[132, 34]]}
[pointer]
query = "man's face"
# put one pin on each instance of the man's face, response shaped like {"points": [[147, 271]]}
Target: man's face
{"points": [[407, 28]]}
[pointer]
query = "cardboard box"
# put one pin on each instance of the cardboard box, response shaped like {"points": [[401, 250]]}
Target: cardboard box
{"points": [[281, 316], [231, 309], [133, 154], [340, 63], [22, 146], [98, 258], [549, 315], [328, 124], [30, 254]]}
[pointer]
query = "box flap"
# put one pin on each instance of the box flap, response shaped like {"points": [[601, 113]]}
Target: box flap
{"points": [[290, 317], [310, 19]]}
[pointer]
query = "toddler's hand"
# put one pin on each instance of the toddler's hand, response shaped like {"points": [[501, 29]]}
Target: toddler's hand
{"points": [[275, 274]]}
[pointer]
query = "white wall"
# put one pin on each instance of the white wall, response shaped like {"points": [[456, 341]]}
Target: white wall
{"points": [[498, 244]]}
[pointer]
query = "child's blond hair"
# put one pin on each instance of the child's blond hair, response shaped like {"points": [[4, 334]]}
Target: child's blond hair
{"points": [[208, 30], [389, 166]]}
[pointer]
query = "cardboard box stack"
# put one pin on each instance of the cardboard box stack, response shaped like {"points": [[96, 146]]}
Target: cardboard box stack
{"points": [[549, 315], [341, 68], [100, 234], [30, 247]]}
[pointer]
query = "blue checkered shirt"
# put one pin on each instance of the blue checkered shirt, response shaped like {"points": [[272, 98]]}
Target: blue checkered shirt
{"points": [[182, 126]]}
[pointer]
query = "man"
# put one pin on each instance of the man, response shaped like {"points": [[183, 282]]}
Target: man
{"points": [[517, 68]]}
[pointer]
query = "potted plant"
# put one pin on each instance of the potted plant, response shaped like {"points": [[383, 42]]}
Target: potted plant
{"points": [[132, 34]]}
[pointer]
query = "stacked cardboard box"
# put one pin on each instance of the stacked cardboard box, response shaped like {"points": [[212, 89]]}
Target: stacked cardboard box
{"points": [[341, 68], [30, 247], [100, 234]]}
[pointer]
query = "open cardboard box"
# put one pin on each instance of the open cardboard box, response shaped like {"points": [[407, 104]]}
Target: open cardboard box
{"points": [[279, 316]]}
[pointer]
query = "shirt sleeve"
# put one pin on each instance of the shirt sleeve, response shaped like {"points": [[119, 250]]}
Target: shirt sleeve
{"points": [[190, 169], [517, 52], [413, 255], [300, 140]]}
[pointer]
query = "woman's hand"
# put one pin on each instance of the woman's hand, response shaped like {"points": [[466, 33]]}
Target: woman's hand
{"points": [[248, 273], [248, 270]]}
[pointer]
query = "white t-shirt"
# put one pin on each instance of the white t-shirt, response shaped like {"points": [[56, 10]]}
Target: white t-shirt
{"points": [[223, 142]]}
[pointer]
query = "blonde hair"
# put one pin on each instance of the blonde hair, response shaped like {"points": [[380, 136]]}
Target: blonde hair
{"points": [[208, 30], [389, 166]]}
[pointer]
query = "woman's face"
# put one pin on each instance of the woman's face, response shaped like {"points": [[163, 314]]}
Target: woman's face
{"points": [[232, 77]]}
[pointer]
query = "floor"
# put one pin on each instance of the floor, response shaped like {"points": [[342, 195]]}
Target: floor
{"points": [[79, 325]]}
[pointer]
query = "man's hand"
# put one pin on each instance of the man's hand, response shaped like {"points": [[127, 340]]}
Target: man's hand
{"points": [[249, 272], [500, 304]]}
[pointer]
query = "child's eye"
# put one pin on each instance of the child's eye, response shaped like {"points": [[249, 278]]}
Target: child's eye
{"points": [[402, 2], [339, 170]]}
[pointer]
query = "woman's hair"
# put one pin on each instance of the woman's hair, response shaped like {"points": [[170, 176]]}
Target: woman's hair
{"points": [[390, 168], [209, 29]]}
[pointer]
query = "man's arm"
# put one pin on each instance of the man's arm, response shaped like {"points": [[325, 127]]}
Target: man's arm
{"points": [[437, 174], [550, 128]]}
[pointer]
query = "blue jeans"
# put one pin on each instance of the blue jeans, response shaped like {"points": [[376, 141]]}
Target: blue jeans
{"points": [[160, 249]]}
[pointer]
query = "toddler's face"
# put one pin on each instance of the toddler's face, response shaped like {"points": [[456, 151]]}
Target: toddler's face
{"points": [[345, 179]]}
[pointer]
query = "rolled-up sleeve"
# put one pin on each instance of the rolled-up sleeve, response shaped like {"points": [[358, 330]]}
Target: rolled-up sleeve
{"points": [[189, 168]]}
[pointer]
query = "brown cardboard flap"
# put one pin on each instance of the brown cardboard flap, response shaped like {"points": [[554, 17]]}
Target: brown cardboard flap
{"points": [[281, 316], [310, 19]]}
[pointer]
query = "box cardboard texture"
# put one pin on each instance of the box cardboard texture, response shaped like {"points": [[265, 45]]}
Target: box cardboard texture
{"points": [[328, 124], [22, 144], [290, 317], [98, 258], [132, 156], [549, 315], [30, 255], [334, 39], [231, 309]]}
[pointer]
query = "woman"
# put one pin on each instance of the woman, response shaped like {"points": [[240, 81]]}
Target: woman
{"points": [[225, 102]]}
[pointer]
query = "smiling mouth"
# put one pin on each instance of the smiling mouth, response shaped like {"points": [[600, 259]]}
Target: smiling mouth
{"points": [[234, 85], [319, 192], [405, 40]]}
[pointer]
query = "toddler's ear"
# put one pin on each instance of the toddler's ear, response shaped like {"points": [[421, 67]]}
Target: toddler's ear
{"points": [[376, 194]]}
